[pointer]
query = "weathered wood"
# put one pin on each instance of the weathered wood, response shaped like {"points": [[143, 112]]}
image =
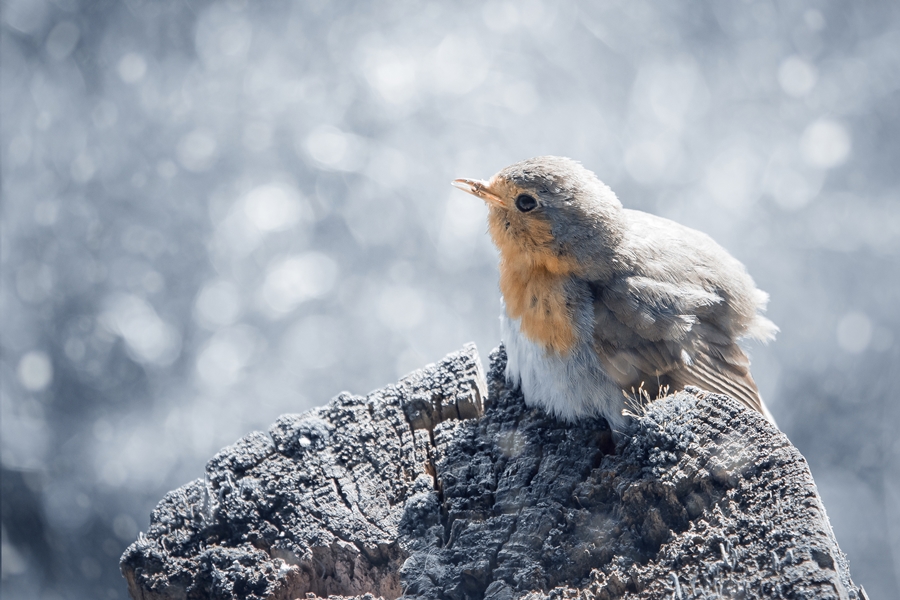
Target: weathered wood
{"points": [[412, 490]]}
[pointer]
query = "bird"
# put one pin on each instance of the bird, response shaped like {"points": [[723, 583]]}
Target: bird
{"points": [[602, 303]]}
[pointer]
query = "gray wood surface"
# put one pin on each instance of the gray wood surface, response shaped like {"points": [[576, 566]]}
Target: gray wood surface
{"points": [[446, 485]]}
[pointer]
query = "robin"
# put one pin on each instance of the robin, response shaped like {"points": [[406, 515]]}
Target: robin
{"points": [[600, 300]]}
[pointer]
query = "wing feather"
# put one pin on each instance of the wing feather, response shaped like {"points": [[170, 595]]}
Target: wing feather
{"points": [[657, 333]]}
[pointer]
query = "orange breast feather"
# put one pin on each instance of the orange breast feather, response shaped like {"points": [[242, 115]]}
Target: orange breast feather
{"points": [[532, 280]]}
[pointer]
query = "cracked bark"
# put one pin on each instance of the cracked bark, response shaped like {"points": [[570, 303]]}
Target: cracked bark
{"points": [[446, 485]]}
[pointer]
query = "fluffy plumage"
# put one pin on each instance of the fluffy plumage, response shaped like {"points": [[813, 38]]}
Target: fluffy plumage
{"points": [[643, 300]]}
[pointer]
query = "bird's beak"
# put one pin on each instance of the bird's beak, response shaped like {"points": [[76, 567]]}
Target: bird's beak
{"points": [[479, 188]]}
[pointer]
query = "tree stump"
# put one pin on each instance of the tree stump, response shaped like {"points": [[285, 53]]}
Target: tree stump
{"points": [[446, 485]]}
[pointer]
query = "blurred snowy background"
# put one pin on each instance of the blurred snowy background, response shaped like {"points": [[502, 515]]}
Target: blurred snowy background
{"points": [[218, 212]]}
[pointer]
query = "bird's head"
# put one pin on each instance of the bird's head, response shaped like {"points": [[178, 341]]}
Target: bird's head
{"points": [[551, 212]]}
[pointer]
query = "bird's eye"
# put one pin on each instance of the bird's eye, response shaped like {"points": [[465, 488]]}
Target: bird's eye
{"points": [[525, 202]]}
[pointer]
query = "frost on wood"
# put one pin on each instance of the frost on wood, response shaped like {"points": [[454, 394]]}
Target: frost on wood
{"points": [[447, 486]]}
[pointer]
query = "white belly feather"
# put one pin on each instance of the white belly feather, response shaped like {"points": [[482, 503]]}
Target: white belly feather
{"points": [[568, 387]]}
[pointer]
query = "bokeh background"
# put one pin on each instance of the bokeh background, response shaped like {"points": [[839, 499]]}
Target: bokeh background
{"points": [[218, 212]]}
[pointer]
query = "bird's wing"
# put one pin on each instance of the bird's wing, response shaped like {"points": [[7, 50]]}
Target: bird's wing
{"points": [[722, 368], [653, 332]]}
